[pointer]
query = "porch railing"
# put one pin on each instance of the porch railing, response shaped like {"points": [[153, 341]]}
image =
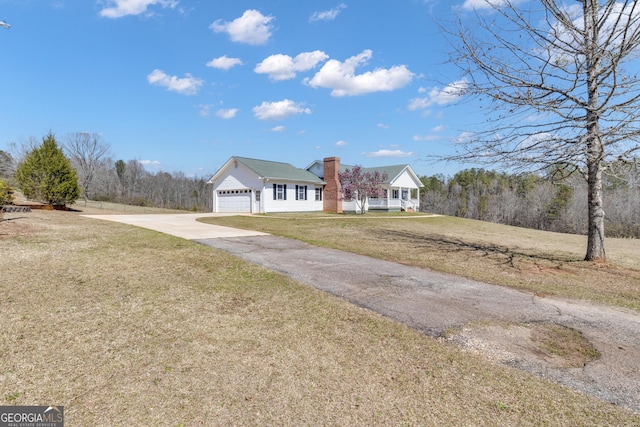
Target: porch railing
{"points": [[409, 205], [393, 204]]}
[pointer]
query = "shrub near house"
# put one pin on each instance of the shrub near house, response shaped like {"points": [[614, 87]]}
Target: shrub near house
{"points": [[6, 195]]}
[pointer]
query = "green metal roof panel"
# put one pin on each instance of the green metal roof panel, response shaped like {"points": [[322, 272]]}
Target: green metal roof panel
{"points": [[278, 170]]}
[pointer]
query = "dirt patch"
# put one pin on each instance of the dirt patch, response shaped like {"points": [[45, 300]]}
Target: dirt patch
{"points": [[533, 344], [564, 347]]}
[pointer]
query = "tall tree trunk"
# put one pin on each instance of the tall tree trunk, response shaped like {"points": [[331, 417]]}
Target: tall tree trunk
{"points": [[595, 239], [594, 147]]}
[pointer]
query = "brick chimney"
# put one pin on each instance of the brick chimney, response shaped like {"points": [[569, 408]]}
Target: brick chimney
{"points": [[332, 200]]}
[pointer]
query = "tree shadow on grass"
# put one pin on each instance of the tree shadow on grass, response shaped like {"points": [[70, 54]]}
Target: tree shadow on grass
{"points": [[498, 253]]}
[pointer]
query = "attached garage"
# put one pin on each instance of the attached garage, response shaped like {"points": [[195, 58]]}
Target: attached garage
{"points": [[244, 185], [234, 200]]}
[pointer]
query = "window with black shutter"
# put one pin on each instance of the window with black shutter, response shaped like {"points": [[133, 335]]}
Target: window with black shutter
{"points": [[279, 192], [301, 192]]}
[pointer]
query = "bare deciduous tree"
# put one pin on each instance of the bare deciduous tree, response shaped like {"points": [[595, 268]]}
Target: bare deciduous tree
{"points": [[557, 90], [86, 151], [7, 165]]}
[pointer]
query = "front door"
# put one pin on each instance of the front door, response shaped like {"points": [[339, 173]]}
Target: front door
{"points": [[256, 209]]}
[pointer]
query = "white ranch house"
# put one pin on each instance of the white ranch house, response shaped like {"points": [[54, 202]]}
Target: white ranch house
{"points": [[262, 186]]}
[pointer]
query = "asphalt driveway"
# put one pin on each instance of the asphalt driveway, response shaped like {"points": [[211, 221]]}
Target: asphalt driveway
{"points": [[435, 303]]}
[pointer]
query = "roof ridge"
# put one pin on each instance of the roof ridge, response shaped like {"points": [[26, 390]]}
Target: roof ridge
{"points": [[263, 160]]}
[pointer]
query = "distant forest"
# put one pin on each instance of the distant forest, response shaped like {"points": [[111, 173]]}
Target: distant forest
{"points": [[535, 201], [130, 183]]}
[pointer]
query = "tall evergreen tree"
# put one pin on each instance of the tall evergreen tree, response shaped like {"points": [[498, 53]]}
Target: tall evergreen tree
{"points": [[46, 174]]}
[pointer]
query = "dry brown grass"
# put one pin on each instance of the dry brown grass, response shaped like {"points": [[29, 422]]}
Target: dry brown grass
{"points": [[125, 326], [541, 262]]}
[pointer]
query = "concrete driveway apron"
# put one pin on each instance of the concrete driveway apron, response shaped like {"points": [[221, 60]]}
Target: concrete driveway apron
{"points": [[179, 225]]}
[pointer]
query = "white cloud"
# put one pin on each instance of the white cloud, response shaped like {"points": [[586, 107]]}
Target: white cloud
{"points": [[622, 19], [327, 15], [341, 143], [431, 137], [154, 164], [464, 138], [488, 4], [389, 153], [227, 114], [205, 110], [279, 110], [439, 96], [224, 62], [188, 85], [120, 8], [252, 28], [340, 77], [383, 126], [426, 137], [537, 141], [283, 67], [278, 129]]}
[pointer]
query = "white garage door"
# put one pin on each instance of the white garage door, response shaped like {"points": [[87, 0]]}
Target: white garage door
{"points": [[234, 201]]}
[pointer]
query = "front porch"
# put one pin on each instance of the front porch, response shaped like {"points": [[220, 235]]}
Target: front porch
{"points": [[383, 204], [398, 199], [391, 205]]}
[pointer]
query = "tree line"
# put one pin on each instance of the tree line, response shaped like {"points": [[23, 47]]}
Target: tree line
{"points": [[537, 201], [130, 183], [98, 176]]}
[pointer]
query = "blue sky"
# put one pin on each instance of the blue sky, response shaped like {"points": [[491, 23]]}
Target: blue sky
{"points": [[182, 85]]}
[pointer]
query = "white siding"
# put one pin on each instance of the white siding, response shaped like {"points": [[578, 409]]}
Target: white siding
{"points": [[239, 178], [353, 206], [317, 168], [291, 204], [405, 180]]}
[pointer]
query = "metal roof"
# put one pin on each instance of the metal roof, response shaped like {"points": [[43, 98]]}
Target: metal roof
{"points": [[278, 170], [285, 171]]}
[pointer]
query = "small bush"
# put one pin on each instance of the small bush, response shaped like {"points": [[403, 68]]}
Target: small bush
{"points": [[6, 194], [623, 230]]}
